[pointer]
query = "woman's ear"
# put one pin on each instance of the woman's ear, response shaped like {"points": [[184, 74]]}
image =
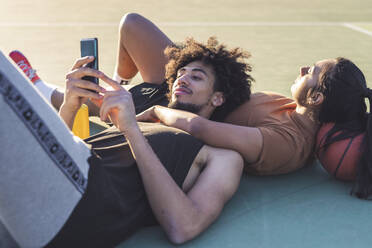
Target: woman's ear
{"points": [[316, 99]]}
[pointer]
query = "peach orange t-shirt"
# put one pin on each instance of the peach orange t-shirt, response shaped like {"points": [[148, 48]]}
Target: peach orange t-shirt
{"points": [[288, 137]]}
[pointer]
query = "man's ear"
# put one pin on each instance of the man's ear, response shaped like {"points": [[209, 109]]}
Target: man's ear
{"points": [[217, 99], [316, 99]]}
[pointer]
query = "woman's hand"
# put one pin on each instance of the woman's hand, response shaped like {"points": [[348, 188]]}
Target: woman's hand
{"points": [[149, 115]]}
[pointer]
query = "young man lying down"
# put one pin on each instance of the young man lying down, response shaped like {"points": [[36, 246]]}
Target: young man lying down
{"points": [[96, 193]]}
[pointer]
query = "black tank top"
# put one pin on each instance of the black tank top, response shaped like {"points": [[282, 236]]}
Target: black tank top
{"points": [[115, 204]]}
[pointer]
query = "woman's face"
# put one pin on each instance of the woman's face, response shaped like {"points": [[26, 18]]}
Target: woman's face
{"points": [[308, 78]]}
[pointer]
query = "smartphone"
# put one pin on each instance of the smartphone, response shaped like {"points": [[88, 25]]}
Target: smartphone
{"points": [[89, 47]]}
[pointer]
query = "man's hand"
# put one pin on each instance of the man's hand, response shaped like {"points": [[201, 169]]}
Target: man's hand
{"points": [[118, 106], [78, 90]]}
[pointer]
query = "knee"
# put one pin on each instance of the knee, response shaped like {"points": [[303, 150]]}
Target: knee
{"points": [[130, 21]]}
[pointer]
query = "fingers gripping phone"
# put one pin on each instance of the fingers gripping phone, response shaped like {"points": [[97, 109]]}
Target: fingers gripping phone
{"points": [[89, 47]]}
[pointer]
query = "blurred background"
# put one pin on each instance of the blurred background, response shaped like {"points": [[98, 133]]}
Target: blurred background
{"points": [[281, 35]]}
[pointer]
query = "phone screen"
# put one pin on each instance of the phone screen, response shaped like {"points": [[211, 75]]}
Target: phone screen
{"points": [[89, 47]]}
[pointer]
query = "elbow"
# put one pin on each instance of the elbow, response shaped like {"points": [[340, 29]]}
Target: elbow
{"points": [[177, 239], [181, 235]]}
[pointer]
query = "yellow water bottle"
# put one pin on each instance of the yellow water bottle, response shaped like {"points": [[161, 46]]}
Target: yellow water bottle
{"points": [[81, 123]]}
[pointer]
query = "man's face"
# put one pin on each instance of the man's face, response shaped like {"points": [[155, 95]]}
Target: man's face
{"points": [[193, 88], [308, 78]]}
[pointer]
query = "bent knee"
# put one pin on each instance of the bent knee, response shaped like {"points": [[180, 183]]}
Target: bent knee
{"points": [[129, 21]]}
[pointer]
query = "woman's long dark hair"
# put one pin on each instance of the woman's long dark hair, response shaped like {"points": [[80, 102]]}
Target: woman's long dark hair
{"points": [[345, 89]]}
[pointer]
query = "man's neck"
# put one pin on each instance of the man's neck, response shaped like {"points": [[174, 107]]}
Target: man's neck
{"points": [[206, 113]]}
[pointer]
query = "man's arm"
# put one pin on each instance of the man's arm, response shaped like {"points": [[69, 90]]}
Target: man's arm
{"points": [[184, 216], [247, 141]]}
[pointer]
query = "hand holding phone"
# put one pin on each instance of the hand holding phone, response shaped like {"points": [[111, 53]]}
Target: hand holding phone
{"points": [[89, 47]]}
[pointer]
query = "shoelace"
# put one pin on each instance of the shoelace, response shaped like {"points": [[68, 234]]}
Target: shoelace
{"points": [[30, 73]]}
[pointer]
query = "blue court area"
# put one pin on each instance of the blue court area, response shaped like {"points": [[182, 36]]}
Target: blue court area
{"points": [[306, 209], [303, 209]]}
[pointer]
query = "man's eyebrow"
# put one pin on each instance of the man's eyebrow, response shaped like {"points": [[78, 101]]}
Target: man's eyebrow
{"points": [[194, 69]]}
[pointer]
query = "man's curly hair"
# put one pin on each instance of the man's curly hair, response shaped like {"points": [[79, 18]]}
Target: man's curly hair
{"points": [[231, 71]]}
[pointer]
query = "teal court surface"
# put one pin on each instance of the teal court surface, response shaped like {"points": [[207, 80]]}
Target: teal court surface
{"points": [[304, 209], [307, 208]]}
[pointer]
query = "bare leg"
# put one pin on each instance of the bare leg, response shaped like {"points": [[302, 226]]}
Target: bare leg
{"points": [[141, 48], [57, 98]]}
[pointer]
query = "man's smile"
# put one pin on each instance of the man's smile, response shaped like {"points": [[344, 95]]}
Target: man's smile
{"points": [[182, 91]]}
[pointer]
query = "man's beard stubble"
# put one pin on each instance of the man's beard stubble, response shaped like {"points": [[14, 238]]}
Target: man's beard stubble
{"points": [[193, 108]]}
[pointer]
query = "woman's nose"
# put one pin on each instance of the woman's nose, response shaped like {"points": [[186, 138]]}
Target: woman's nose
{"points": [[304, 70]]}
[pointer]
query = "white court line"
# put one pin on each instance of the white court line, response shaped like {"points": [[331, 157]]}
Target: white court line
{"points": [[57, 24], [249, 24], [350, 25], [180, 24], [358, 29]]}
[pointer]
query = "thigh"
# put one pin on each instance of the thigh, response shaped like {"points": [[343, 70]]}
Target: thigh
{"points": [[145, 44]]}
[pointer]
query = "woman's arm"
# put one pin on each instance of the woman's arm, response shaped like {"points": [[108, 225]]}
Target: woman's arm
{"points": [[247, 141]]}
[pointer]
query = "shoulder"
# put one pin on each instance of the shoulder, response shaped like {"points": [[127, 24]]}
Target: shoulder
{"points": [[212, 156], [261, 105], [261, 99], [265, 97]]}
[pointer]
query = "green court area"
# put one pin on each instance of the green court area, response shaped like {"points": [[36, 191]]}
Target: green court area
{"points": [[303, 209]]}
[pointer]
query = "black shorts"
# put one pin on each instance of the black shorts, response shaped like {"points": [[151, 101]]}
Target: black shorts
{"points": [[146, 95]]}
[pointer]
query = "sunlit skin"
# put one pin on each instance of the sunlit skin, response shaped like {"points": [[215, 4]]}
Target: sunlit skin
{"points": [[194, 84], [183, 212], [309, 78]]}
